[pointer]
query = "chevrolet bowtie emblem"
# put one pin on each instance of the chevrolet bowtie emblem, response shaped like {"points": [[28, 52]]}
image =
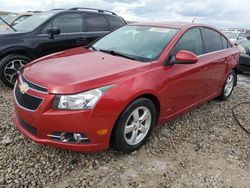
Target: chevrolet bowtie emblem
{"points": [[23, 87]]}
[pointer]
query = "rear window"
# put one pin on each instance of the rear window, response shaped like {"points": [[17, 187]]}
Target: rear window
{"points": [[114, 22], [96, 23], [212, 40]]}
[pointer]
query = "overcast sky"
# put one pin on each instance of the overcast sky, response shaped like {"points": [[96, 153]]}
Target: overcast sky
{"points": [[219, 13]]}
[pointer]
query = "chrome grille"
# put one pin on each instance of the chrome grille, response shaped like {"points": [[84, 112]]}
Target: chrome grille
{"points": [[33, 85], [26, 101]]}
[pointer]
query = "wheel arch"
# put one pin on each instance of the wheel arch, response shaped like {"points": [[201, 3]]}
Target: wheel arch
{"points": [[149, 96], [19, 51], [236, 70]]}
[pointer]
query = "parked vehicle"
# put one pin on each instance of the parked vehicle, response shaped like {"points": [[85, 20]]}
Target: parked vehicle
{"points": [[234, 36], [124, 84], [49, 32], [244, 47], [240, 30], [15, 18]]}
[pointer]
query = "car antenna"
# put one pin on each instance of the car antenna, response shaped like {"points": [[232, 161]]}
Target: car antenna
{"points": [[8, 24], [195, 17]]}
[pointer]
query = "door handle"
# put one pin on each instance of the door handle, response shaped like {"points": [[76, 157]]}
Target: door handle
{"points": [[203, 68]]}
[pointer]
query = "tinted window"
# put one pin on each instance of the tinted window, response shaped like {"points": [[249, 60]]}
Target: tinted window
{"points": [[69, 23], [96, 23], [212, 40], [190, 41], [224, 42], [114, 23]]}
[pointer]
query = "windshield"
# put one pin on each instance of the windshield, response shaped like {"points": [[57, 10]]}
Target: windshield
{"points": [[34, 21], [231, 35], [9, 18], [141, 43]]}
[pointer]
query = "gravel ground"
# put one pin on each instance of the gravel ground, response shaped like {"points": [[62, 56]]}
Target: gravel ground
{"points": [[203, 148]]}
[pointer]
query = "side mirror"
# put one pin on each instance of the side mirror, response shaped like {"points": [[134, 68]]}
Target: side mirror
{"points": [[53, 31], [185, 57]]}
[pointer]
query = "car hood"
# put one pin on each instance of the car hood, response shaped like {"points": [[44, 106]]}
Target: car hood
{"points": [[79, 69], [9, 33]]}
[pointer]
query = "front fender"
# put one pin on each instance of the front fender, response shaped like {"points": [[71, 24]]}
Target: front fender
{"points": [[18, 50], [116, 99]]}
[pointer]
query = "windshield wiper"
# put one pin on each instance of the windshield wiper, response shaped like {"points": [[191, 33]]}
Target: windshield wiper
{"points": [[93, 48], [8, 24], [112, 52]]}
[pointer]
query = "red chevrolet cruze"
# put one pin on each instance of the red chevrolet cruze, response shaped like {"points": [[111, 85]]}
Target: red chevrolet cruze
{"points": [[115, 91]]}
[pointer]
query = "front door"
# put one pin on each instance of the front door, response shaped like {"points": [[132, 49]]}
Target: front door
{"points": [[185, 84], [71, 35]]}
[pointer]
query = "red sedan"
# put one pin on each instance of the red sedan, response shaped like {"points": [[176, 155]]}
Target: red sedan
{"points": [[115, 91]]}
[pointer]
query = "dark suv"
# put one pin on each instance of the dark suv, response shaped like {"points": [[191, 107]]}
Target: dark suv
{"points": [[49, 32]]}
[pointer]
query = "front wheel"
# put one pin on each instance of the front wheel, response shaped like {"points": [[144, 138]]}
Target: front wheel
{"points": [[134, 125], [10, 66], [228, 86]]}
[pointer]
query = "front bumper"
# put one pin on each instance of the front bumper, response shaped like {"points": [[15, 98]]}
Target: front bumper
{"points": [[44, 121], [90, 147]]}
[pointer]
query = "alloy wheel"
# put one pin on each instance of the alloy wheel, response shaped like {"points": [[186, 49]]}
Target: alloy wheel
{"points": [[12, 69], [137, 125], [229, 85]]}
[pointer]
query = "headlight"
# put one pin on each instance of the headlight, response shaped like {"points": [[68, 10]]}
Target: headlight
{"points": [[242, 49], [80, 101]]}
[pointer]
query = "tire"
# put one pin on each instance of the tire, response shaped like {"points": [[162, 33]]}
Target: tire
{"points": [[135, 126], [228, 86], [10, 65]]}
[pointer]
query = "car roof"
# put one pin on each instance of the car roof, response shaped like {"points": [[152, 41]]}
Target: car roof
{"points": [[85, 10], [170, 24], [25, 14]]}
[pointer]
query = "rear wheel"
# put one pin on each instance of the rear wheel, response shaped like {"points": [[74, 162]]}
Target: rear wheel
{"points": [[135, 125], [10, 66], [228, 86]]}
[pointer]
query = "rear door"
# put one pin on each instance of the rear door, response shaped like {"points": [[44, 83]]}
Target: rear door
{"points": [[216, 57], [115, 22], [72, 27], [96, 26]]}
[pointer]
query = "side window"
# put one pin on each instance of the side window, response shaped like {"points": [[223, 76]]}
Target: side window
{"points": [[190, 41], [69, 23], [229, 45], [96, 23], [224, 42], [212, 40], [114, 22]]}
